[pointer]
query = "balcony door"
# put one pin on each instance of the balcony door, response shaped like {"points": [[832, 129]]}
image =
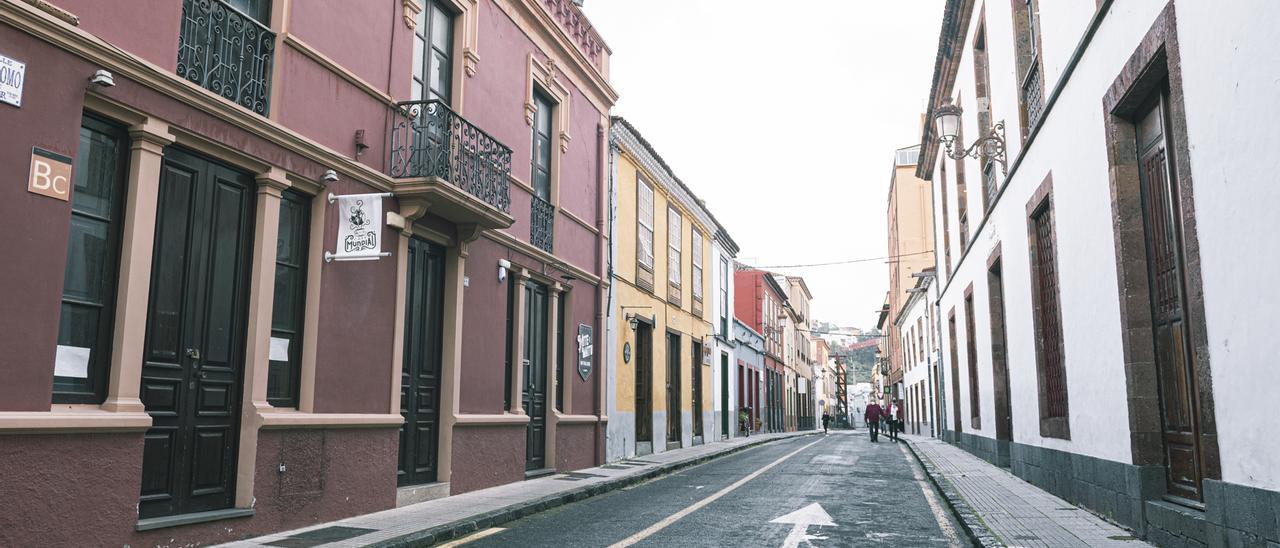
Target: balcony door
{"points": [[193, 358], [420, 369], [433, 54], [534, 394], [1162, 214]]}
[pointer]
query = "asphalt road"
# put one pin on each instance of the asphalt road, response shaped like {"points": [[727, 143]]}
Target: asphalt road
{"points": [[834, 490]]}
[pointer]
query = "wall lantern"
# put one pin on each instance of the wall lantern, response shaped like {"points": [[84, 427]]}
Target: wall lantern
{"points": [[989, 146]]}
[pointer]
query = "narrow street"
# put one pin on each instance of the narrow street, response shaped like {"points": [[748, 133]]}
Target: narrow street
{"points": [[872, 493]]}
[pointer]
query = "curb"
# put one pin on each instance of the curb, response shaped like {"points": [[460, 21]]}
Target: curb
{"points": [[969, 519], [466, 526]]}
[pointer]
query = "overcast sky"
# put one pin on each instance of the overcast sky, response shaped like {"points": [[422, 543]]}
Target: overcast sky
{"points": [[784, 117]]}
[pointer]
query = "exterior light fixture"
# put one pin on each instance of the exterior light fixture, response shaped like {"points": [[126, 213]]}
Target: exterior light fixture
{"points": [[102, 78], [330, 176], [990, 146], [503, 266]]}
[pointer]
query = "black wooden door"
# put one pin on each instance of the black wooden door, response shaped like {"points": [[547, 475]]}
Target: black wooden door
{"points": [[534, 394], [673, 389], [420, 370], [194, 351], [1165, 271], [644, 382], [999, 356], [724, 395]]}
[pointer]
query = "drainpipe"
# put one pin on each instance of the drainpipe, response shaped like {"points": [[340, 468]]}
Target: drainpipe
{"points": [[601, 295]]}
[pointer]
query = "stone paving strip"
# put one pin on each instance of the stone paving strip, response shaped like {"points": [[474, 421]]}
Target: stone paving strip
{"points": [[998, 508], [441, 520]]}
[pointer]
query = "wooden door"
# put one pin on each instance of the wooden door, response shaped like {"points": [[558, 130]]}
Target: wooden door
{"points": [[644, 382], [193, 355], [534, 394], [955, 373], [673, 389], [1162, 220], [420, 368], [999, 356]]}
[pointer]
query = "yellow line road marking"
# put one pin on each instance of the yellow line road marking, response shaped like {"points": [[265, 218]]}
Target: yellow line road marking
{"points": [[666, 522], [473, 537]]}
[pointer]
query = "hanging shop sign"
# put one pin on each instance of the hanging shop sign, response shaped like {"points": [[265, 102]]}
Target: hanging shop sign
{"points": [[12, 74], [706, 352], [50, 174], [359, 228], [585, 351]]}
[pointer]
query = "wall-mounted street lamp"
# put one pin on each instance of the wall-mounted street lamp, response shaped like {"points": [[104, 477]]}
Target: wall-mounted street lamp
{"points": [[989, 146]]}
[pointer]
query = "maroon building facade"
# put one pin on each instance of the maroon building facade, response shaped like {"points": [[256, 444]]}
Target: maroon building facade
{"points": [[761, 304], [182, 362]]}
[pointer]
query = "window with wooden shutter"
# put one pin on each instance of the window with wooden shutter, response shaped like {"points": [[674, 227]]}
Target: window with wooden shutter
{"points": [[1050, 360]]}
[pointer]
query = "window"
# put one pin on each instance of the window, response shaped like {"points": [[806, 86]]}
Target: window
{"points": [[982, 90], [289, 300], [695, 257], [674, 233], [433, 54], [541, 176], [1050, 362], [946, 223], [975, 400], [955, 371], [509, 367], [644, 218], [542, 217], [85, 325], [561, 322], [1027, 49], [962, 191], [724, 297]]}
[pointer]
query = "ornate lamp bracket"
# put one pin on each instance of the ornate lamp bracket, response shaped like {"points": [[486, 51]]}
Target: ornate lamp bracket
{"points": [[991, 147]]}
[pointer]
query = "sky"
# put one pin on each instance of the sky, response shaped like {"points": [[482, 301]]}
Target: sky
{"points": [[784, 120]]}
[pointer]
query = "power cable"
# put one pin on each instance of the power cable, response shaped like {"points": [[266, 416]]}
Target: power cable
{"points": [[833, 263]]}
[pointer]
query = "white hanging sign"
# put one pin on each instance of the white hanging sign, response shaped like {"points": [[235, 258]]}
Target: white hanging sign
{"points": [[359, 228], [12, 74]]}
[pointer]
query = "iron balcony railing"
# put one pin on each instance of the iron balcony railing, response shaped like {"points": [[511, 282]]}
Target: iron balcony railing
{"points": [[542, 224], [430, 140], [226, 52], [1032, 95]]}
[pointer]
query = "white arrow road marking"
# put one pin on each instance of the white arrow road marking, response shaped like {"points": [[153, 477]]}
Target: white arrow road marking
{"points": [[667, 521], [801, 519]]}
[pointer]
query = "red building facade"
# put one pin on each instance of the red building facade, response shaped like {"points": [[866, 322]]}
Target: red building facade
{"points": [[760, 303], [182, 362]]}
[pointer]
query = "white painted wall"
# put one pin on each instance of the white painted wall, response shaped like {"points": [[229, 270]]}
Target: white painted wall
{"points": [[723, 345], [1231, 83]]}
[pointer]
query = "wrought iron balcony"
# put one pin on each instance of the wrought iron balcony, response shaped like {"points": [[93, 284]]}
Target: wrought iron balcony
{"points": [[226, 52], [430, 140], [1032, 95], [542, 221]]}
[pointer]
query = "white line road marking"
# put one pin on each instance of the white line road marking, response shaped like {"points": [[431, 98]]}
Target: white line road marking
{"points": [[667, 521], [473, 537], [812, 514], [953, 540]]}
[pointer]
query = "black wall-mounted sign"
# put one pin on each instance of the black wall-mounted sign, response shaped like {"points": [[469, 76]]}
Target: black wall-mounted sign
{"points": [[585, 351]]}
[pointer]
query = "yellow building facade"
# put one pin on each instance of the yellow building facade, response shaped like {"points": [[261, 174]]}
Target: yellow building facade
{"points": [[661, 305]]}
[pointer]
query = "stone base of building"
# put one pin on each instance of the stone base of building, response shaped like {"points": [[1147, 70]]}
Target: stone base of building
{"points": [[1132, 495]]}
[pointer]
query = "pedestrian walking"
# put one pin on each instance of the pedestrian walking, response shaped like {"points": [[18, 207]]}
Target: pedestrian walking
{"points": [[872, 416], [826, 419], [898, 416], [890, 417]]}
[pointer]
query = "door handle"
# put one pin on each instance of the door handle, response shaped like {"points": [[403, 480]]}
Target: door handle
{"points": [[193, 353]]}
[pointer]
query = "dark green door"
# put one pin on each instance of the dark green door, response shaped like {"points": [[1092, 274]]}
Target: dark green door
{"points": [[724, 395], [194, 351], [420, 370], [534, 394]]}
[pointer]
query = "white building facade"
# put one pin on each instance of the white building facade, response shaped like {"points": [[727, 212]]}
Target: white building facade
{"points": [[919, 350], [1099, 303], [724, 371]]}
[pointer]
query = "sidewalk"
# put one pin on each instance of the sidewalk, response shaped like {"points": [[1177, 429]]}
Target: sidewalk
{"points": [[447, 518], [1000, 509]]}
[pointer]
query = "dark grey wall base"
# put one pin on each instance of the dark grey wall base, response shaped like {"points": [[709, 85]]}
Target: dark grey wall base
{"points": [[1234, 515]]}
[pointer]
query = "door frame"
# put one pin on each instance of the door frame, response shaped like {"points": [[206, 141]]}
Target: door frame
{"points": [[245, 321], [429, 247], [1155, 64], [644, 356], [675, 386]]}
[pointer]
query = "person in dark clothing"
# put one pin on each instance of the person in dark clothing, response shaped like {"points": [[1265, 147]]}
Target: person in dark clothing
{"points": [[891, 416], [872, 416], [826, 419], [899, 419]]}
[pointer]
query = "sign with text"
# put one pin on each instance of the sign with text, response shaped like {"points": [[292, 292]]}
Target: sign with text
{"points": [[585, 351], [12, 74], [359, 228], [50, 174]]}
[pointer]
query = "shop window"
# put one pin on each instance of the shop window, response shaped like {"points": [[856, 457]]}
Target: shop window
{"points": [[289, 301]]}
